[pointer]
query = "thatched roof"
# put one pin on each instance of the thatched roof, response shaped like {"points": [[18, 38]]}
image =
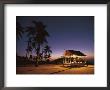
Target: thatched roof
{"points": [[73, 52]]}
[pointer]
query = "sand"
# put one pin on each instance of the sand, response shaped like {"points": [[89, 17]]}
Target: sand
{"points": [[54, 69]]}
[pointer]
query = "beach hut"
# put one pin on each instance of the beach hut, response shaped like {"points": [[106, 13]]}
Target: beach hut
{"points": [[74, 58]]}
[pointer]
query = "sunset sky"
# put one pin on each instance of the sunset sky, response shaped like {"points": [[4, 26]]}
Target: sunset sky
{"points": [[66, 33]]}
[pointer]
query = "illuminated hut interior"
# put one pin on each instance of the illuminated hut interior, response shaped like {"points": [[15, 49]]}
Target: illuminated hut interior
{"points": [[74, 58]]}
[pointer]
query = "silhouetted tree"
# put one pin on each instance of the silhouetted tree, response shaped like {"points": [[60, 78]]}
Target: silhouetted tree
{"points": [[47, 52], [19, 31], [29, 49], [38, 35]]}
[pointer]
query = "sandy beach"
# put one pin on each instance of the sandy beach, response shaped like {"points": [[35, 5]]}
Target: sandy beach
{"points": [[54, 69]]}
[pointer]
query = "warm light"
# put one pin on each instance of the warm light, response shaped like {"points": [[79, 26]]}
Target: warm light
{"points": [[67, 56], [74, 56]]}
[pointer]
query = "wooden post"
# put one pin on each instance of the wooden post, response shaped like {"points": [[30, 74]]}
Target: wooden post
{"points": [[63, 61]]}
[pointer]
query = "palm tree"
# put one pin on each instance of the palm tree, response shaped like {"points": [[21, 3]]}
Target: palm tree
{"points": [[19, 31], [29, 48], [38, 35], [47, 52]]}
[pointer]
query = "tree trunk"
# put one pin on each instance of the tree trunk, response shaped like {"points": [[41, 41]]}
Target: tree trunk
{"points": [[38, 55]]}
